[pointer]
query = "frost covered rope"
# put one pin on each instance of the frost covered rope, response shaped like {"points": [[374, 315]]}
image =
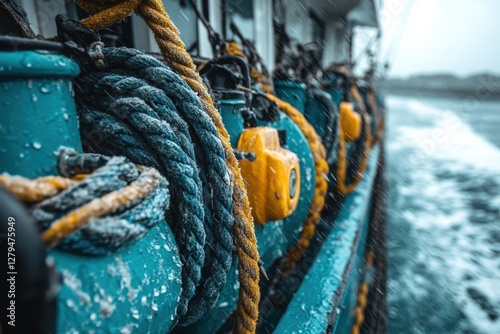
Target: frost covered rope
{"points": [[112, 207], [108, 12], [138, 92]]}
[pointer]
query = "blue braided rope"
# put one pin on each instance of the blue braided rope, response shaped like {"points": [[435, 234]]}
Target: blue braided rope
{"points": [[165, 95], [109, 87], [99, 131], [187, 215]]}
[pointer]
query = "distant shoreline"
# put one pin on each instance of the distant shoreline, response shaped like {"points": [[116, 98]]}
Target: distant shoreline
{"points": [[463, 94], [480, 87]]}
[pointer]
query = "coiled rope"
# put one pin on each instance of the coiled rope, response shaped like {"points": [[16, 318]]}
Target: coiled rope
{"points": [[108, 12], [320, 188], [342, 165], [100, 214]]}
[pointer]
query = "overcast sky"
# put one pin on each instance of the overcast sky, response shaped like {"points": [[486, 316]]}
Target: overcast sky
{"points": [[458, 36]]}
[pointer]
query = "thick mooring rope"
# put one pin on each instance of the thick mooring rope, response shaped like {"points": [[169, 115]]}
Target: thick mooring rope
{"points": [[321, 185], [159, 140], [108, 12]]}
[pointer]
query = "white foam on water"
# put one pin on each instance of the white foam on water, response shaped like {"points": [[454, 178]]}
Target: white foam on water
{"points": [[449, 138], [439, 157]]}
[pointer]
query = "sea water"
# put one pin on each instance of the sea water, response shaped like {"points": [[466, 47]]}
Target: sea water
{"points": [[444, 215]]}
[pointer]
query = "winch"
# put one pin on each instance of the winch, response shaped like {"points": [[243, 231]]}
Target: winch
{"points": [[273, 178]]}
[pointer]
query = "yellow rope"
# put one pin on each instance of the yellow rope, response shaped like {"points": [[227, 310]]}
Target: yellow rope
{"points": [[109, 203], [234, 49], [342, 152], [321, 186], [34, 191], [362, 300], [108, 12]]}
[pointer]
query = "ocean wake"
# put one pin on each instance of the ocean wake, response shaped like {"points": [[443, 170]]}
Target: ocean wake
{"points": [[444, 222]]}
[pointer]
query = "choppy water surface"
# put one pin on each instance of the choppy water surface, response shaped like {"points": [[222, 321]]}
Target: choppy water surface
{"points": [[444, 216]]}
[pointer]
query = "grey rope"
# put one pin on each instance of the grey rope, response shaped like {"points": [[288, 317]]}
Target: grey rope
{"points": [[105, 235]]}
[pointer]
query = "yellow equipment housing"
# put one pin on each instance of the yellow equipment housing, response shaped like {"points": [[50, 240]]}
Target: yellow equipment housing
{"points": [[273, 178], [350, 121]]}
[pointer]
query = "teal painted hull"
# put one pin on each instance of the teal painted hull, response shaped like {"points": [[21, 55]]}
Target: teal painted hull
{"points": [[330, 287]]}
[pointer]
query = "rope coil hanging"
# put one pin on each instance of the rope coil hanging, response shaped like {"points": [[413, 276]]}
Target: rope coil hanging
{"points": [[119, 89]]}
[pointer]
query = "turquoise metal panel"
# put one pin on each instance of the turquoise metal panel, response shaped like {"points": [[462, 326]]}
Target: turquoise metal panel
{"points": [[37, 111], [316, 114], [336, 95], [291, 92], [230, 110], [322, 293], [335, 87], [134, 290]]}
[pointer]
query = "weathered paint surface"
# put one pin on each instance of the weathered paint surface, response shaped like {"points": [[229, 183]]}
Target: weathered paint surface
{"points": [[135, 290]]}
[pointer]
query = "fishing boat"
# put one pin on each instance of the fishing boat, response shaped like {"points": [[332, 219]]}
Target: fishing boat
{"points": [[190, 167]]}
